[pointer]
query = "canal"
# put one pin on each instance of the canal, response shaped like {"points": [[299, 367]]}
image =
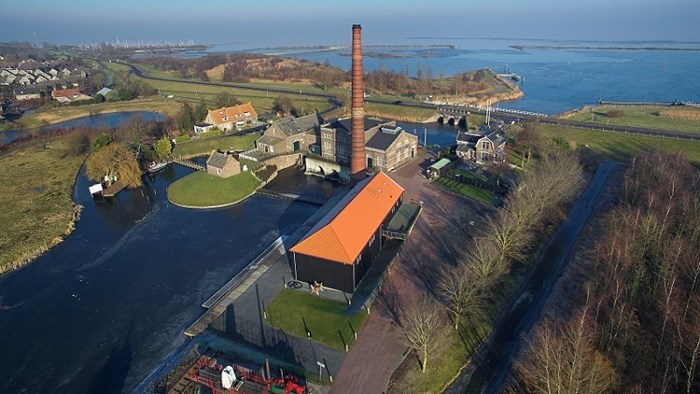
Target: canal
{"points": [[101, 310]]}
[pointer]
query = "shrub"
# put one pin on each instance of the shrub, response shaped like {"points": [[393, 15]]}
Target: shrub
{"points": [[615, 113], [211, 134]]}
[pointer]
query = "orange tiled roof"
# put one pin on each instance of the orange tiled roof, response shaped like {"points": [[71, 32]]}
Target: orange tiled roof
{"points": [[344, 232], [232, 114], [67, 93]]}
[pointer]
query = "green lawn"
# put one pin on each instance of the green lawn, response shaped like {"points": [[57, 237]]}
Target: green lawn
{"points": [[473, 192], [203, 190], [619, 146], [205, 146], [650, 117], [294, 311], [443, 365], [36, 189], [398, 112], [261, 100]]}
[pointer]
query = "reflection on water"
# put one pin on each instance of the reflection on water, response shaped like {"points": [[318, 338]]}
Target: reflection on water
{"points": [[95, 121]]}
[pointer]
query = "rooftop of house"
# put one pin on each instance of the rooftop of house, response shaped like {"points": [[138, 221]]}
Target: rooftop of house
{"points": [[468, 136], [304, 124], [218, 159], [440, 163], [344, 231], [27, 90], [498, 137], [232, 114], [67, 93], [346, 124], [105, 91], [383, 139]]}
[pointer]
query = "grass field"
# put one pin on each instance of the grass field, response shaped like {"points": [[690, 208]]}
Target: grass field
{"points": [[683, 119], [50, 114], [443, 366], [205, 146], [295, 311], [468, 191], [261, 100], [36, 198], [203, 190], [619, 146], [398, 112]]}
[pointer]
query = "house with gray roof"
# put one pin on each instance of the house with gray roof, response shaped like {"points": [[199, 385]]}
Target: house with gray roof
{"points": [[482, 148], [27, 93], [290, 134], [390, 147], [223, 165]]}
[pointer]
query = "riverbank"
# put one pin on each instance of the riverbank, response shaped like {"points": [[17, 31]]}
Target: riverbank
{"points": [[36, 195], [49, 115]]}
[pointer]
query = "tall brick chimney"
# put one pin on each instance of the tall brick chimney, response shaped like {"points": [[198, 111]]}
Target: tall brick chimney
{"points": [[358, 162]]}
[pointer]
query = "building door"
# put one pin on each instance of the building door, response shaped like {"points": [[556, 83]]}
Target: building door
{"points": [[297, 146], [369, 162]]}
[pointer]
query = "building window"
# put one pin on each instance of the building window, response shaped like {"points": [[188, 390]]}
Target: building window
{"points": [[371, 240], [485, 145], [484, 156], [327, 145], [359, 258]]}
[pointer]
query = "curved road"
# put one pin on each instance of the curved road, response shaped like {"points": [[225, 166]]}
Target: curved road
{"points": [[492, 361]]}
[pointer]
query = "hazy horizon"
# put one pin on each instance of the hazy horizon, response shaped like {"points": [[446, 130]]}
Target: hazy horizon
{"points": [[274, 22]]}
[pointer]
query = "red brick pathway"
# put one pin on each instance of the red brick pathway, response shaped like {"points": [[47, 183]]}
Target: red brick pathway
{"points": [[379, 348]]}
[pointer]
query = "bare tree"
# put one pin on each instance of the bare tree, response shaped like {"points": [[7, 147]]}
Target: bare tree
{"points": [[423, 328], [462, 294], [561, 358], [486, 262]]}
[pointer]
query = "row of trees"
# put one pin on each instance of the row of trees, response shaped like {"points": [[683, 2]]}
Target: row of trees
{"points": [[244, 67], [635, 316], [473, 287]]}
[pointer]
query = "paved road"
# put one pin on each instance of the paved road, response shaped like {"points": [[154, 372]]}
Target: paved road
{"points": [[493, 360]]}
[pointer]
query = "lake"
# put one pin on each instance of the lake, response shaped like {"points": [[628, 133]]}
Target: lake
{"points": [[555, 80]]}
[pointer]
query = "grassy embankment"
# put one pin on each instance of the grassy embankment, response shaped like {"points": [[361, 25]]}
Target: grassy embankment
{"points": [[617, 146], [682, 119], [36, 198], [205, 146], [202, 190], [328, 321], [50, 114], [262, 100], [469, 191]]}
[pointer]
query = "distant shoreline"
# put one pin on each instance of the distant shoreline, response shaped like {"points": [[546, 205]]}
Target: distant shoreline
{"points": [[601, 48]]}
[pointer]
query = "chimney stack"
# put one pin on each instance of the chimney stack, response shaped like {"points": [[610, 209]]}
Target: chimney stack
{"points": [[358, 162]]}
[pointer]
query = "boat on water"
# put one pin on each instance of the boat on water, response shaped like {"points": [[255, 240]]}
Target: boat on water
{"points": [[156, 166]]}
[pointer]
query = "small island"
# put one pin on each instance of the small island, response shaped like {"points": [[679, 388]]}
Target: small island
{"points": [[222, 184], [202, 190]]}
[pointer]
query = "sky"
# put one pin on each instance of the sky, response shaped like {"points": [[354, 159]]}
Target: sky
{"points": [[305, 22]]}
